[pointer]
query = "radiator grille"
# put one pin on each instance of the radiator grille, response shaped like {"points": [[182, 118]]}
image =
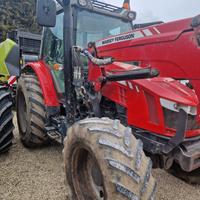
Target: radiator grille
{"points": [[153, 113], [171, 118]]}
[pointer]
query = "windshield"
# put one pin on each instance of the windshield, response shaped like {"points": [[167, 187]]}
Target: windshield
{"points": [[92, 27]]}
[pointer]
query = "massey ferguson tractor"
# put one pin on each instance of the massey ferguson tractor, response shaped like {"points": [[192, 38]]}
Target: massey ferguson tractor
{"points": [[84, 94], [55, 101]]}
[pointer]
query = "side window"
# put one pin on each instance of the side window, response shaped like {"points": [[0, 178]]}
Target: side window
{"points": [[53, 43], [52, 53]]}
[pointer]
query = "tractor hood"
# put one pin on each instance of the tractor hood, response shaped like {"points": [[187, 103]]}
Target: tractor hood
{"points": [[9, 58], [166, 88], [164, 32], [170, 89]]}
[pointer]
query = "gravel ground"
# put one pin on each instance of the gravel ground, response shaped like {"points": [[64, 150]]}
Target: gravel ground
{"points": [[38, 174]]}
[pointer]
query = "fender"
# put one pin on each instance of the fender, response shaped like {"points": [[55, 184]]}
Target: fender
{"points": [[46, 82]]}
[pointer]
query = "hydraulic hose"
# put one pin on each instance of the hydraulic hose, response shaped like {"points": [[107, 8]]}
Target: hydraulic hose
{"points": [[127, 75], [96, 61]]}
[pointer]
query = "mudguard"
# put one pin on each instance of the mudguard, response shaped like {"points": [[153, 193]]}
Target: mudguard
{"points": [[9, 60], [46, 82]]}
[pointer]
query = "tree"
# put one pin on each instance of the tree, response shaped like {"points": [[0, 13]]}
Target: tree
{"points": [[18, 14]]}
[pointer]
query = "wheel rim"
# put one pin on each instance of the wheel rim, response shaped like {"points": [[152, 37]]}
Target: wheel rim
{"points": [[22, 112], [86, 176]]}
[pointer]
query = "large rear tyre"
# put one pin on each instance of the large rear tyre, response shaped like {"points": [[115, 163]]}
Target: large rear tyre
{"points": [[6, 117], [31, 111], [103, 161]]}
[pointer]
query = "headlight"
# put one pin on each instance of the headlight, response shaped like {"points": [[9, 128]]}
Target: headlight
{"points": [[83, 3], [174, 106], [131, 15], [128, 15]]}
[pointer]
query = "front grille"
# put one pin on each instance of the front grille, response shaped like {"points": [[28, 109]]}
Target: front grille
{"points": [[153, 113], [171, 118]]}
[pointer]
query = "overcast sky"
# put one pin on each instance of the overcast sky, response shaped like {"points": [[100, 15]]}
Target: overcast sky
{"points": [[165, 10]]}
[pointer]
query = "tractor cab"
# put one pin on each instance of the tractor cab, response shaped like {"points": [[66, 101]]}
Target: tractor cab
{"points": [[93, 20]]}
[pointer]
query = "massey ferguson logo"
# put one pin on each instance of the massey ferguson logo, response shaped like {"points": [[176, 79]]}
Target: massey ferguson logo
{"points": [[120, 38]]}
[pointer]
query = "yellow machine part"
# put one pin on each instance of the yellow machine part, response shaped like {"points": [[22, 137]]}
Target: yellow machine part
{"points": [[5, 48]]}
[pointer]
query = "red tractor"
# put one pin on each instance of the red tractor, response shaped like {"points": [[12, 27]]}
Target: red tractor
{"points": [[54, 100], [58, 95]]}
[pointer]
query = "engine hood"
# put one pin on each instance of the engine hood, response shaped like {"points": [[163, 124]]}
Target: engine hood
{"points": [[166, 88]]}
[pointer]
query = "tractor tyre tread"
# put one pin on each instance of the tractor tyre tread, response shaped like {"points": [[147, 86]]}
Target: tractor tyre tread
{"points": [[125, 168], [6, 120], [35, 135]]}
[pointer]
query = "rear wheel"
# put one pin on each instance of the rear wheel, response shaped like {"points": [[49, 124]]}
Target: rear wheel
{"points": [[31, 111], [6, 117], [104, 161]]}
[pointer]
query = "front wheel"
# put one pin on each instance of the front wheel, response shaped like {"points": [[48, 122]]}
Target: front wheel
{"points": [[104, 161]]}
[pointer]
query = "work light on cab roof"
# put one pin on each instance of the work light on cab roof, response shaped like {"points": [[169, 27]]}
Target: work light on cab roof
{"points": [[130, 14], [83, 2]]}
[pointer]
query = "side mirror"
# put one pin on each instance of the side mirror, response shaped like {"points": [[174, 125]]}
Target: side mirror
{"points": [[196, 21], [46, 13]]}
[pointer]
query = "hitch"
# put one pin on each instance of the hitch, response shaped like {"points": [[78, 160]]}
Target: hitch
{"points": [[56, 128]]}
